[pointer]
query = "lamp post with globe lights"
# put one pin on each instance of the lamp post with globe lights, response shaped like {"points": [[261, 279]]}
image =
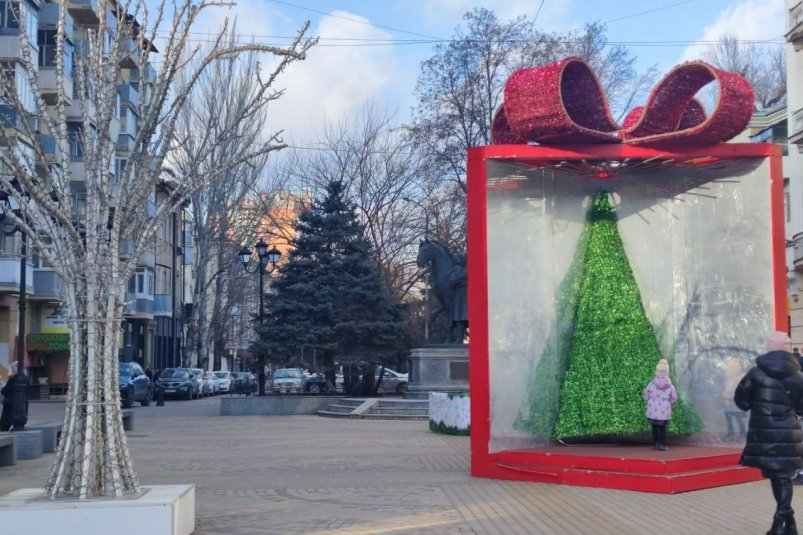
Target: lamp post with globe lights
{"points": [[267, 259]]}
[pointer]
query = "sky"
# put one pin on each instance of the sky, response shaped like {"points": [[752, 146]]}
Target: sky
{"points": [[365, 54]]}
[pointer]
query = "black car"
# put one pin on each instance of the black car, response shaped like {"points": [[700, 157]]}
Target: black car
{"points": [[243, 383], [134, 385], [179, 382], [316, 384]]}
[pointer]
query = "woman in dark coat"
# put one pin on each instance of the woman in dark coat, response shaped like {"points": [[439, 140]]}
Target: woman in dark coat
{"points": [[773, 393], [7, 414]]}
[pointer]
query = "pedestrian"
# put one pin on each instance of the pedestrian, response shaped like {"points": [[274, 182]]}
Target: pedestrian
{"points": [[796, 354], [773, 393], [7, 414], [149, 374], [660, 395]]}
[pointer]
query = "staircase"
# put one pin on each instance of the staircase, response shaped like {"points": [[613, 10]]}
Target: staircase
{"points": [[378, 409]]}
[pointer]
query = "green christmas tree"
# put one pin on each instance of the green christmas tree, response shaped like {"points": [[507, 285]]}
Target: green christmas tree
{"points": [[606, 351], [329, 295]]}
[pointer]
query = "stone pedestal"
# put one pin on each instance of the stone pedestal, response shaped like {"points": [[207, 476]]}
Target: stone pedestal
{"points": [[438, 368], [28, 444], [162, 510]]}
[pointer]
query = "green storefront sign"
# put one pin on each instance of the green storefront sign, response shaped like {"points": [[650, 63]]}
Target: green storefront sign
{"points": [[48, 341]]}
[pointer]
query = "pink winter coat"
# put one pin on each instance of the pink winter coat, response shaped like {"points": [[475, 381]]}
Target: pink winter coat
{"points": [[660, 395]]}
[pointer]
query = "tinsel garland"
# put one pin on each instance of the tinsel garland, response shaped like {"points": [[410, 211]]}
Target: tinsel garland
{"points": [[601, 364]]}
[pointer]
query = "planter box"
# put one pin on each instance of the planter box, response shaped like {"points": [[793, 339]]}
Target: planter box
{"points": [[449, 413], [273, 405], [162, 510]]}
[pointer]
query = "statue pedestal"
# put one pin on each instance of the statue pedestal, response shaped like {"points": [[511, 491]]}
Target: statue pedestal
{"points": [[438, 368]]}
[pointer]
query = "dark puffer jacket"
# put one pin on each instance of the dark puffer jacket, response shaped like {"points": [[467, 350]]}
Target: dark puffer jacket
{"points": [[773, 393]]}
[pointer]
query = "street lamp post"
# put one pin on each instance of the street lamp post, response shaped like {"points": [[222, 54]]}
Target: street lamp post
{"points": [[267, 261], [20, 394]]}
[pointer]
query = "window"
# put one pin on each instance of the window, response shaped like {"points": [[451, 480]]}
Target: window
{"points": [[75, 138], [141, 283], [78, 208], [47, 51], [11, 19]]}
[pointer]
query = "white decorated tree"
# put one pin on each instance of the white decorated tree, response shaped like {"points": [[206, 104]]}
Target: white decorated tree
{"points": [[38, 181]]}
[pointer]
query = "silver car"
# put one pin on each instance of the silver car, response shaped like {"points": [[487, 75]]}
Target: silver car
{"points": [[224, 381]]}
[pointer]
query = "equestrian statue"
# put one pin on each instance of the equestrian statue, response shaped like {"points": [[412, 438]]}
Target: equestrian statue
{"points": [[449, 281]]}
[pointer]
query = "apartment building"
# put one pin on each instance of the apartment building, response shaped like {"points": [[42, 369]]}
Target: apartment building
{"points": [[793, 168], [152, 327]]}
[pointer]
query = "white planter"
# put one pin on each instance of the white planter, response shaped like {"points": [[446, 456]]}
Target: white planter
{"points": [[162, 510], [450, 413]]}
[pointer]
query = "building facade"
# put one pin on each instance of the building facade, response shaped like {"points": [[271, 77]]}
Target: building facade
{"points": [[793, 169], [152, 327]]}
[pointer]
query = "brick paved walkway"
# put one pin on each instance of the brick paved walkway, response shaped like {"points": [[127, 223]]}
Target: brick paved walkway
{"points": [[311, 475]]}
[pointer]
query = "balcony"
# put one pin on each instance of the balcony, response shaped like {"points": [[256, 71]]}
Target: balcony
{"points": [[130, 57], [148, 74], [83, 11], [10, 275], [137, 306], [47, 286], [795, 25], [797, 242], [125, 142], [129, 95], [49, 19], [796, 127], [162, 305], [49, 87], [126, 248], [9, 117], [11, 47]]}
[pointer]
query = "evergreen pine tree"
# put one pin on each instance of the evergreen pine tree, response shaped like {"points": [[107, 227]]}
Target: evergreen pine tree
{"points": [[329, 294], [605, 346]]}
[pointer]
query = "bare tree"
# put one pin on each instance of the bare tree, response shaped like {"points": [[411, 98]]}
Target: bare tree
{"points": [[93, 457], [462, 84], [763, 65], [383, 176], [211, 133]]}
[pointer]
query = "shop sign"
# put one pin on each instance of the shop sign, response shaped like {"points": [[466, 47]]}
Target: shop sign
{"points": [[47, 342]]}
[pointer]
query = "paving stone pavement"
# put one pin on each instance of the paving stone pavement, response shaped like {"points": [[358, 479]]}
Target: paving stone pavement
{"points": [[320, 476]]}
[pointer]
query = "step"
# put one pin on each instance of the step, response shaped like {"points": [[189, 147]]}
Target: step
{"points": [[332, 414], [392, 410], [336, 407], [370, 416], [644, 482]]}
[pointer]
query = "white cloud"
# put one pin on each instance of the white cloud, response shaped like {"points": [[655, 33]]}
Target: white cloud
{"points": [[334, 81], [748, 20]]}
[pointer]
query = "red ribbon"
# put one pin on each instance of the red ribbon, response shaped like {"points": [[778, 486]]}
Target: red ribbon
{"points": [[563, 102]]}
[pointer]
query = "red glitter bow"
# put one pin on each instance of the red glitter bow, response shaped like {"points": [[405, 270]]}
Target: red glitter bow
{"points": [[563, 102]]}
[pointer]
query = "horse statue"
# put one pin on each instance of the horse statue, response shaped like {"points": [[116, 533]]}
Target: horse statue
{"points": [[449, 281]]}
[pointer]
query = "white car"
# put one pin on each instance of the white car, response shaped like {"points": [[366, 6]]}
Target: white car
{"points": [[198, 377], [212, 383], [392, 381], [288, 380], [224, 381]]}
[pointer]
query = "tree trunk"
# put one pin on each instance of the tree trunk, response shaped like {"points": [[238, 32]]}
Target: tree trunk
{"points": [[93, 457]]}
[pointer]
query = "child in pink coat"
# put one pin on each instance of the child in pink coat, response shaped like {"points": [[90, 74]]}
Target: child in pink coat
{"points": [[660, 395]]}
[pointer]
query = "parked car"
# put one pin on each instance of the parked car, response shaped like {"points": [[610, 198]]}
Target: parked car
{"points": [[392, 381], [224, 379], [212, 383], [134, 385], [288, 380], [315, 383], [198, 376], [179, 382], [244, 383]]}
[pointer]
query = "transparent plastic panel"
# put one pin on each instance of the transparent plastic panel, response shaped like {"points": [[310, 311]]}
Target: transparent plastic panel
{"points": [[698, 242]]}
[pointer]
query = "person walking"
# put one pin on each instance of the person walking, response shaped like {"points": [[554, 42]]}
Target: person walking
{"points": [[773, 393], [7, 414], [660, 395]]}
